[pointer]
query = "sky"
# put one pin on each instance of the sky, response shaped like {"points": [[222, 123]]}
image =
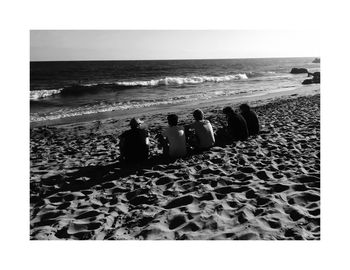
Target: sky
{"points": [[70, 45]]}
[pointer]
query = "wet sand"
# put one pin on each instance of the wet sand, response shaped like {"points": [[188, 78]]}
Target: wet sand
{"points": [[265, 188]]}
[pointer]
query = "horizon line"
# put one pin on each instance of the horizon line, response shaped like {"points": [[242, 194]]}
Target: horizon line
{"points": [[171, 59]]}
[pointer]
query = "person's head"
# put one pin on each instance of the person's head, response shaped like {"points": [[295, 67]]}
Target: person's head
{"points": [[228, 111], [135, 123], [172, 119], [244, 108], [198, 115]]}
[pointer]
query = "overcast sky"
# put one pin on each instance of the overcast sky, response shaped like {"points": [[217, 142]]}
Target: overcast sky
{"points": [[58, 45]]}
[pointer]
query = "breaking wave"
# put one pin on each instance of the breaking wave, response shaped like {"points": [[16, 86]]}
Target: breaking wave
{"points": [[167, 81], [185, 80], [38, 94]]}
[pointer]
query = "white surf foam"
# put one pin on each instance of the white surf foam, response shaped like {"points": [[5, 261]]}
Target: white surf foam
{"points": [[171, 81], [184, 80], [38, 94]]}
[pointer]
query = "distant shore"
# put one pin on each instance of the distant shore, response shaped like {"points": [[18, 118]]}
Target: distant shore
{"points": [[265, 188]]}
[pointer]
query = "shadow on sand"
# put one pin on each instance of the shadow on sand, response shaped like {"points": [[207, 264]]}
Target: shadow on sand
{"points": [[83, 178]]}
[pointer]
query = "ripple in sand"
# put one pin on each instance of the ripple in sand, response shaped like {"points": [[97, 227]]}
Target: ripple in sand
{"points": [[250, 194], [51, 215], [279, 188], [262, 175], [248, 236], [178, 202], [293, 233], [163, 180], [315, 212], [274, 224], [307, 179], [295, 215], [55, 199], [242, 217], [62, 233], [191, 226], [224, 190], [238, 176], [262, 201], [144, 221], [307, 196], [246, 169], [206, 197], [143, 199], [64, 205], [176, 221], [88, 214], [112, 202], [299, 187], [130, 195]]}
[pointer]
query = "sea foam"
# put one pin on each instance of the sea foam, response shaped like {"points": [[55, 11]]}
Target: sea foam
{"points": [[184, 80], [37, 94], [167, 81]]}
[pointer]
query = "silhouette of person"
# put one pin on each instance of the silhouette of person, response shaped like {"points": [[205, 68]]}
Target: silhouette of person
{"points": [[236, 125], [134, 143], [251, 118]]}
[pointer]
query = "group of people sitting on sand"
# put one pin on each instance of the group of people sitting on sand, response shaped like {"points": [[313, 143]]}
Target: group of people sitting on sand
{"points": [[175, 140]]}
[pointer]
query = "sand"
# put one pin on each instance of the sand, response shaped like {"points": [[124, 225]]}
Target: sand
{"points": [[265, 188]]}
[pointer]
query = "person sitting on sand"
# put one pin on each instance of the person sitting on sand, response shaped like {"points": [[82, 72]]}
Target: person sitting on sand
{"points": [[251, 118], [236, 129], [174, 144], [134, 143], [203, 131]]}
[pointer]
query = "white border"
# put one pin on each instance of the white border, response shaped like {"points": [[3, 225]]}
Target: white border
{"points": [[330, 20]]}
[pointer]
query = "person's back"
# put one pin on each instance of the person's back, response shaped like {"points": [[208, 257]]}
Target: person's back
{"points": [[237, 126], [251, 119], [203, 130], [134, 144], [176, 137]]}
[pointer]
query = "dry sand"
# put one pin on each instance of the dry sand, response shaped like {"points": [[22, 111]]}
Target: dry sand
{"points": [[265, 188]]}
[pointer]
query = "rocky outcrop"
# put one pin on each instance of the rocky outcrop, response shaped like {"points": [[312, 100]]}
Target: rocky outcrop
{"points": [[298, 70], [316, 60], [316, 78]]}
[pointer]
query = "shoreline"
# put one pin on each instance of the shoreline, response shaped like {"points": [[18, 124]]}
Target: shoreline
{"points": [[222, 101]]}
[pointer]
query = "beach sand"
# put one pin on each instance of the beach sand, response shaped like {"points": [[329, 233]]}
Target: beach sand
{"points": [[265, 188]]}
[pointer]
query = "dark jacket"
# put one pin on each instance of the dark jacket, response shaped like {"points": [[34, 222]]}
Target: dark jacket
{"points": [[134, 147], [252, 122], [237, 127]]}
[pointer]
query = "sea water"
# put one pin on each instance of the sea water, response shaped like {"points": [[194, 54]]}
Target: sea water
{"points": [[68, 89]]}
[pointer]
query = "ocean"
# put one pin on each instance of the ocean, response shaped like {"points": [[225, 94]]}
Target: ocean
{"points": [[64, 90]]}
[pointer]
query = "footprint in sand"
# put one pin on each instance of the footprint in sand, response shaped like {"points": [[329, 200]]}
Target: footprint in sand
{"points": [[246, 169], [178, 202], [224, 190], [248, 236], [299, 187], [64, 205], [176, 221], [164, 180], [89, 214], [262, 175], [206, 197], [250, 194], [191, 226], [143, 199], [277, 188]]}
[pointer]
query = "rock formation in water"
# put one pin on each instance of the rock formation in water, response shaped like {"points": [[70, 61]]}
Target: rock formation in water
{"points": [[298, 70], [316, 78]]}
